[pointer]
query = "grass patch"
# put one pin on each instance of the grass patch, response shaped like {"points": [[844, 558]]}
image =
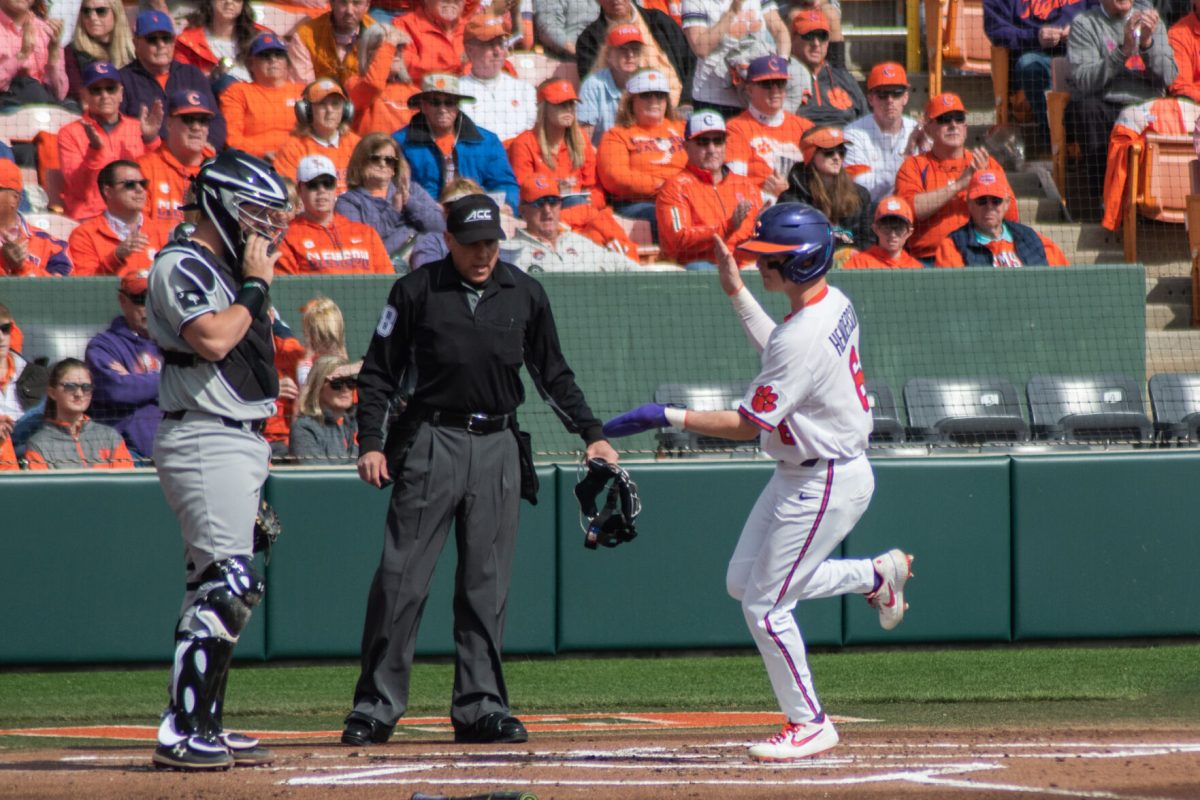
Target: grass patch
{"points": [[1149, 685]]}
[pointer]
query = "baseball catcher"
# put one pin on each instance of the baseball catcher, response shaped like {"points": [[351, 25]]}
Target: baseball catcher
{"points": [[612, 524]]}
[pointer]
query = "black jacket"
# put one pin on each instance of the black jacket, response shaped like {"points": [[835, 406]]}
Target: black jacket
{"points": [[858, 225], [666, 33], [142, 89], [467, 362]]}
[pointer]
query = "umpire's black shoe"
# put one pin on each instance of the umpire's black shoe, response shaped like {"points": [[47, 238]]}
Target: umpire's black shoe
{"points": [[361, 731], [497, 726], [195, 753]]}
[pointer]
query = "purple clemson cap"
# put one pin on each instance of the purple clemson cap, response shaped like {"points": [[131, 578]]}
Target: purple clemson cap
{"points": [[189, 101], [265, 42], [767, 68], [100, 71], [149, 22]]}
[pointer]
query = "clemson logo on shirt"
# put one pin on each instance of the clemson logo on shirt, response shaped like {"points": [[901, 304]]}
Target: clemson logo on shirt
{"points": [[764, 399], [839, 98]]}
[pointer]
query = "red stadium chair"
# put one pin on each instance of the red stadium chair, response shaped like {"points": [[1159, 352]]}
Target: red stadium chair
{"points": [[1158, 184]]}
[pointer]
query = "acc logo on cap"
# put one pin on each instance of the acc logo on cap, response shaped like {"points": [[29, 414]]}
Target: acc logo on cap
{"points": [[479, 215]]}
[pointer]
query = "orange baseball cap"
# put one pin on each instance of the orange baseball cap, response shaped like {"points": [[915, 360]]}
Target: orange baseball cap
{"points": [[10, 177], [889, 73], [811, 20], [624, 34], [988, 183], [325, 87], [893, 206], [135, 283], [557, 91], [484, 28], [820, 139], [535, 187], [943, 104]]}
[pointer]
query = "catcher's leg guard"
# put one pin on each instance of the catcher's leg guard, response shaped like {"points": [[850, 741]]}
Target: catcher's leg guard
{"points": [[204, 640]]}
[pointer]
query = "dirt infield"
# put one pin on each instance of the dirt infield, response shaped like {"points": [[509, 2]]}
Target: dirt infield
{"points": [[616, 757]]}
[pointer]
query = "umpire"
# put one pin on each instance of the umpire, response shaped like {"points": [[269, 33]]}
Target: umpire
{"points": [[466, 324]]}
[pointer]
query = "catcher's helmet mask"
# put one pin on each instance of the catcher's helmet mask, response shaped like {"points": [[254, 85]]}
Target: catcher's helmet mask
{"points": [[795, 239], [241, 194]]}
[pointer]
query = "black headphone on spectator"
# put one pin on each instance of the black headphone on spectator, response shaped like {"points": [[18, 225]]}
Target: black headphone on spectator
{"points": [[304, 110]]}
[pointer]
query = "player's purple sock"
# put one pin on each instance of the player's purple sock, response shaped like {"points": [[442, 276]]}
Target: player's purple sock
{"points": [[878, 583]]}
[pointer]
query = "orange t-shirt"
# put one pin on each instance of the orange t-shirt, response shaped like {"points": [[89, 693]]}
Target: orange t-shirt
{"points": [[877, 258], [633, 163], [259, 119], [169, 181], [756, 150], [287, 159], [924, 173]]}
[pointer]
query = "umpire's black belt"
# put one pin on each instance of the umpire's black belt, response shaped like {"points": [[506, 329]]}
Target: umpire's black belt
{"points": [[480, 424], [251, 425]]}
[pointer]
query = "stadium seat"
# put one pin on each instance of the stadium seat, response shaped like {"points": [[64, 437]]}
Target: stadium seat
{"points": [[1175, 402], [56, 225], [700, 397], [1158, 183], [887, 426], [56, 341], [1100, 408], [23, 123], [1193, 232], [534, 68], [639, 232], [964, 410]]}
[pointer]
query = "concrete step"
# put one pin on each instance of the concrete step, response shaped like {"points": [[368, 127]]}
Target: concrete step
{"points": [[1171, 351]]}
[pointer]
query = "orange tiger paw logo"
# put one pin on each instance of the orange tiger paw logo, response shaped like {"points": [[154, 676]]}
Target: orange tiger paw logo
{"points": [[764, 399]]}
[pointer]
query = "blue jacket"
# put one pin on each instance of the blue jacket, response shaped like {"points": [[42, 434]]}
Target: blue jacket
{"points": [[478, 155], [1015, 23], [1026, 243], [141, 89], [129, 402], [421, 214]]}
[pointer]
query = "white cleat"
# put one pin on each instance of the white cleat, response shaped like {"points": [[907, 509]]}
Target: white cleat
{"points": [[797, 740], [895, 568]]}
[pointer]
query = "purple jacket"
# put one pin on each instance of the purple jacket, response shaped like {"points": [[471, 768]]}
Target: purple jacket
{"points": [[141, 89], [1015, 23], [127, 402], [421, 214]]}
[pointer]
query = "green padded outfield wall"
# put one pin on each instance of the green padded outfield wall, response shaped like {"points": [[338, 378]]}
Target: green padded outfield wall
{"points": [[1105, 546], [625, 334]]}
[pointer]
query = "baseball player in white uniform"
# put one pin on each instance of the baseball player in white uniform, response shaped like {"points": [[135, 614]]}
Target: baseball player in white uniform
{"points": [[809, 407]]}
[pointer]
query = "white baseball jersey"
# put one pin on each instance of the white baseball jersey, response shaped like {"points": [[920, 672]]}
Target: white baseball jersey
{"points": [[810, 398]]}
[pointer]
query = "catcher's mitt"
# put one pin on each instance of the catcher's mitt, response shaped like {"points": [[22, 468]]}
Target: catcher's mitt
{"points": [[267, 528], [612, 524]]}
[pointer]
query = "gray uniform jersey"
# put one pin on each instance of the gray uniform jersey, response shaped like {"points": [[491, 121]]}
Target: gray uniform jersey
{"points": [[186, 283]]}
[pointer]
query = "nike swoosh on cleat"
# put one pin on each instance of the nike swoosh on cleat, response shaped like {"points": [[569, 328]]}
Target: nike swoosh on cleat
{"points": [[806, 739], [891, 599]]}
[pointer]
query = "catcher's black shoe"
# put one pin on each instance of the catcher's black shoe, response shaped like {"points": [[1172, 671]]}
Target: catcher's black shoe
{"points": [[246, 751], [361, 731], [194, 753], [497, 726]]}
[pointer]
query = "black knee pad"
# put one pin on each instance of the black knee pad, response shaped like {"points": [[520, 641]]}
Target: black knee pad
{"points": [[228, 592]]}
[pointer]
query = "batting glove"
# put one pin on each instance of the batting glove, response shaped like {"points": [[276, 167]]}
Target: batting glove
{"points": [[643, 418]]}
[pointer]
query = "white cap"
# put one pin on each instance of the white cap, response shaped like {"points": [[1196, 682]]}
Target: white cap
{"points": [[647, 80], [314, 167], [704, 122]]}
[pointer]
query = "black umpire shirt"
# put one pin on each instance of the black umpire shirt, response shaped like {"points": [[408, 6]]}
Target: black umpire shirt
{"points": [[467, 362]]}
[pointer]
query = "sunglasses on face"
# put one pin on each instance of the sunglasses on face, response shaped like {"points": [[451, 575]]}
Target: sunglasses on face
{"points": [[653, 95], [542, 202], [952, 118], [129, 186], [192, 120], [72, 388], [983, 202], [341, 384], [896, 227], [440, 102], [830, 152], [890, 94], [136, 299], [159, 39], [107, 88], [709, 141], [269, 54], [390, 161], [6, 327], [99, 11], [320, 183], [772, 85], [816, 36]]}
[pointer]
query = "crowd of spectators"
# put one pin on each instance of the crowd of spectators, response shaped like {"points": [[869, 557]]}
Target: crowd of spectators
{"points": [[683, 118]]}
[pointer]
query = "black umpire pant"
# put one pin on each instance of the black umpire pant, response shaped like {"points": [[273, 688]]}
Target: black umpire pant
{"points": [[473, 481]]}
